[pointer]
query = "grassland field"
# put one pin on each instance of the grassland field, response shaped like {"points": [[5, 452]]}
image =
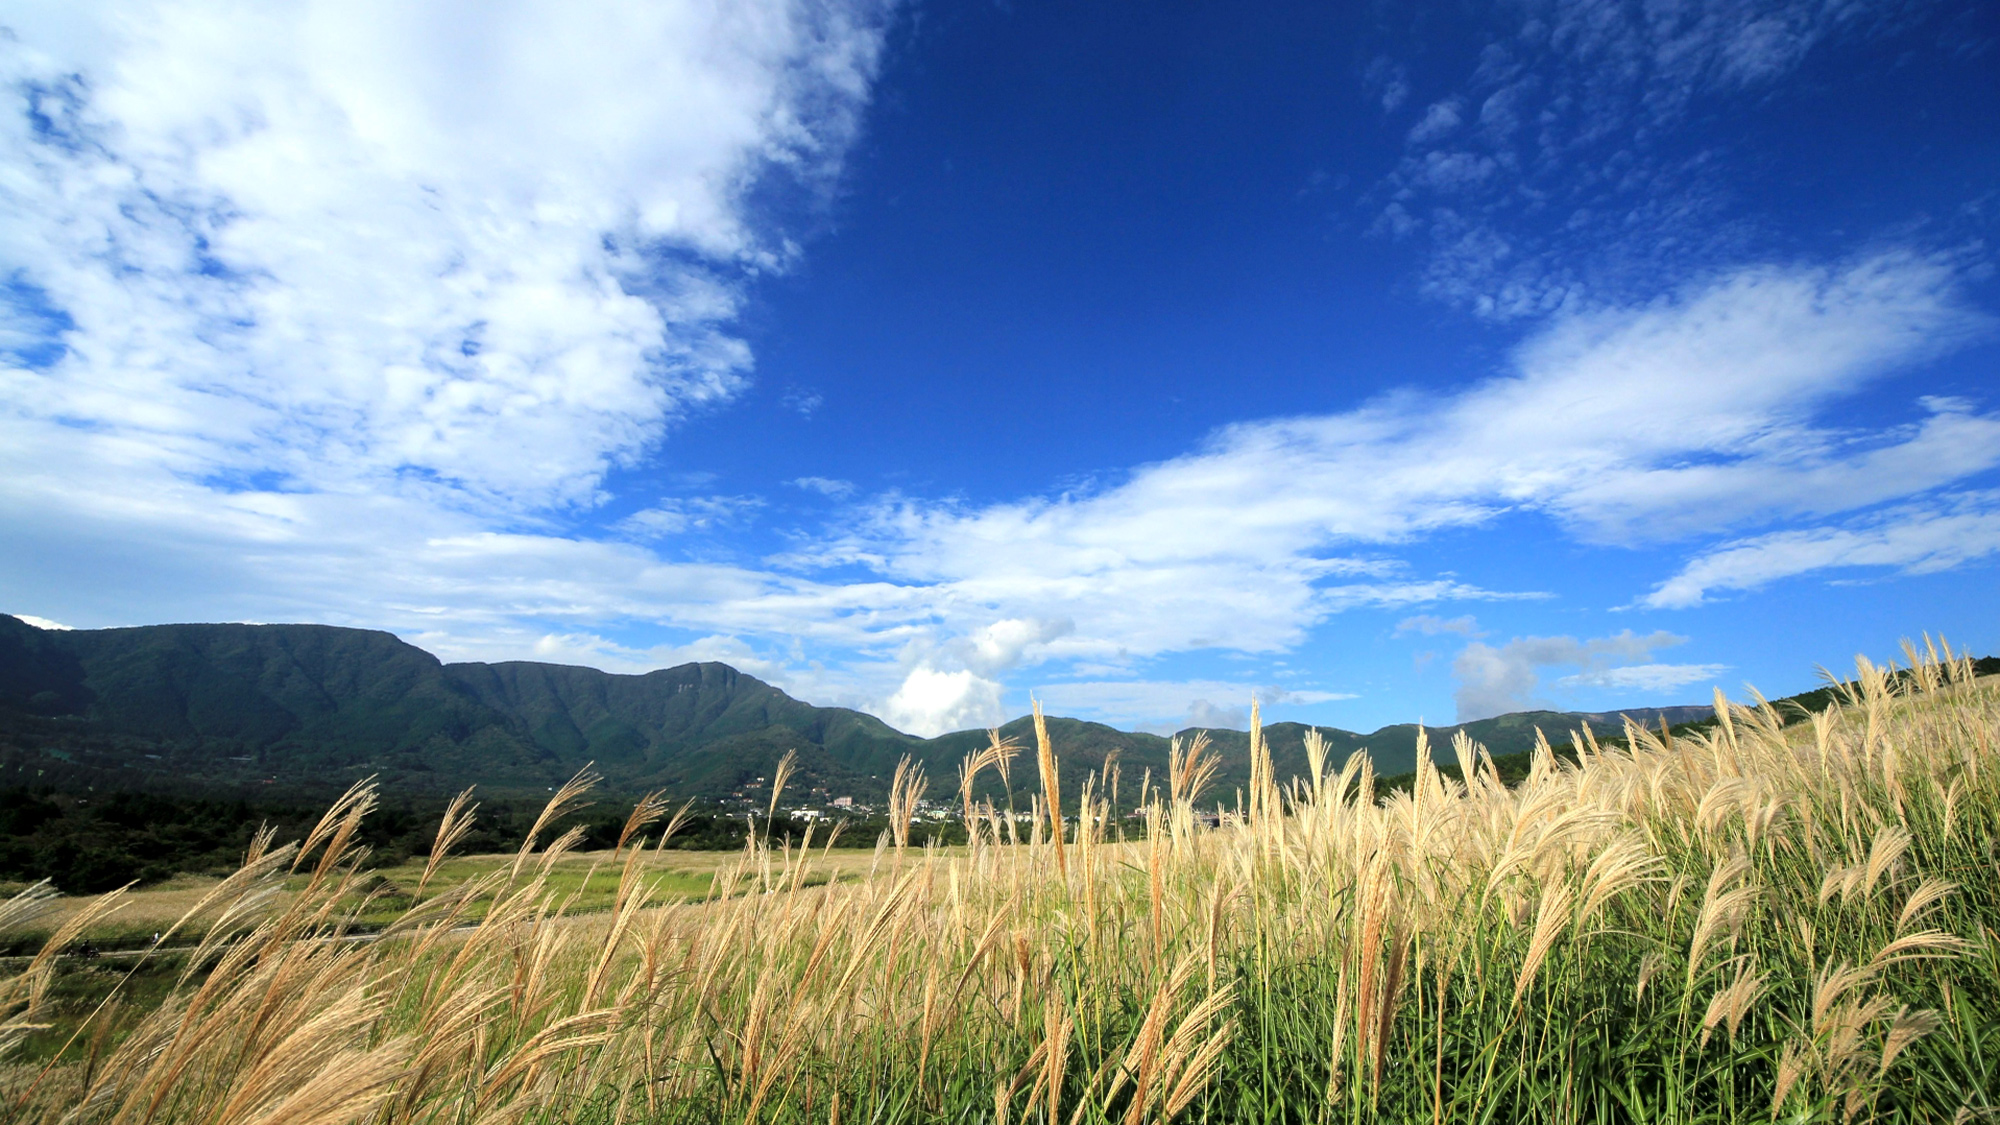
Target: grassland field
{"points": [[1762, 921], [586, 884], [587, 881]]}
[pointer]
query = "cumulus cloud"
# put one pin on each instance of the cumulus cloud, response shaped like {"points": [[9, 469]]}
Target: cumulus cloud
{"points": [[1246, 543], [369, 246], [1494, 680], [1203, 715], [1438, 121], [344, 311], [1000, 647], [932, 702], [41, 622], [951, 680]]}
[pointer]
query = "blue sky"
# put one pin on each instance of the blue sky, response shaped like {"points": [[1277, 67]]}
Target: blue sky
{"points": [[1422, 361]]}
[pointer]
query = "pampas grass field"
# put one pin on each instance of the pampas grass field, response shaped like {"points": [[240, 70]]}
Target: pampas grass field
{"points": [[1768, 920]]}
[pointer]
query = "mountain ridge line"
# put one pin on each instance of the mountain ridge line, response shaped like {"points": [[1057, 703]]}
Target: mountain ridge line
{"points": [[309, 705]]}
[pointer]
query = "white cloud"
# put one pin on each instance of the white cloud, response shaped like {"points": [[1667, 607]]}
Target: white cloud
{"points": [[345, 312], [802, 401], [932, 702], [596, 651], [1645, 677], [1626, 426], [1438, 121], [1676, 52], [1001, 646], [1608, 424], [1204, 715], [1573, 183], [1153, 566], [1495, 680], [1913, 539], [950, 678], [1167, 706], [826, 486], [1431, 626], [1449, 172], [42, 622], [478, 255], [1389, 81], [677, 515], [352, 302]]}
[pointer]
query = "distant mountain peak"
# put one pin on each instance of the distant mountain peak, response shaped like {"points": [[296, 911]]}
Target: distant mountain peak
{"points": [[301, 704]]}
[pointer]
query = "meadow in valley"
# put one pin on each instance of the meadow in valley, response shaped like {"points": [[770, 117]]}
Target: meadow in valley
{"points": [[1780, 917]]}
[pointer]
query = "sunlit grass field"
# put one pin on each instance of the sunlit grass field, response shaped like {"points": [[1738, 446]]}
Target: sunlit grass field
{"points": [[588, 883], [1759, 922]]}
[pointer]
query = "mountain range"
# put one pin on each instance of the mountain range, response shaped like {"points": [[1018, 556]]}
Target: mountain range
{"points": [[312, 707]]}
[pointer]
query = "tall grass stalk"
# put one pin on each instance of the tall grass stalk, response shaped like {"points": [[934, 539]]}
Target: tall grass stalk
{"points": [[1764, 921]]}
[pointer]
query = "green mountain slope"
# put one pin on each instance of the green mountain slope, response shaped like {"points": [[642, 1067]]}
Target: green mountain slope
{"points": [[306, 707]]}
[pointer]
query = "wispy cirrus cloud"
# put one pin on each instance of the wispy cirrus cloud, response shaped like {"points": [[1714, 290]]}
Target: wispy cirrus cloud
{"points": [[803, 401], [1649, 678], [1554, 171], [1430, 625], [1928, 536], [1626, 426], [1639, 426], [673, 516], [825, 486]]}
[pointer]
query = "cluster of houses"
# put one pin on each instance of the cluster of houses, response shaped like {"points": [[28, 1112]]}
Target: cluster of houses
{"points": [[821, 804]]}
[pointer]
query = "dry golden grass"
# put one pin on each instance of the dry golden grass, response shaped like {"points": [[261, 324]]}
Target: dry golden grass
{"points": [[1757, 922], [140, 912], [679, 875]]}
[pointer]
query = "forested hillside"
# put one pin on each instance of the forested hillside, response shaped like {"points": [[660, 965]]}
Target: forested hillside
{"points": [[236, 709]]}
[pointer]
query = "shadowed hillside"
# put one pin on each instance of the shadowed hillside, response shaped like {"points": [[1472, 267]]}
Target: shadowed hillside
{"points": [[311, 707]]}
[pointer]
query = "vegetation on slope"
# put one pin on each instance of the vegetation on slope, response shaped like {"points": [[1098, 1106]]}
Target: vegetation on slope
{"points": [[135, 754], [298, 712], [86, 845], [308, 706], [1746, 923]]}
